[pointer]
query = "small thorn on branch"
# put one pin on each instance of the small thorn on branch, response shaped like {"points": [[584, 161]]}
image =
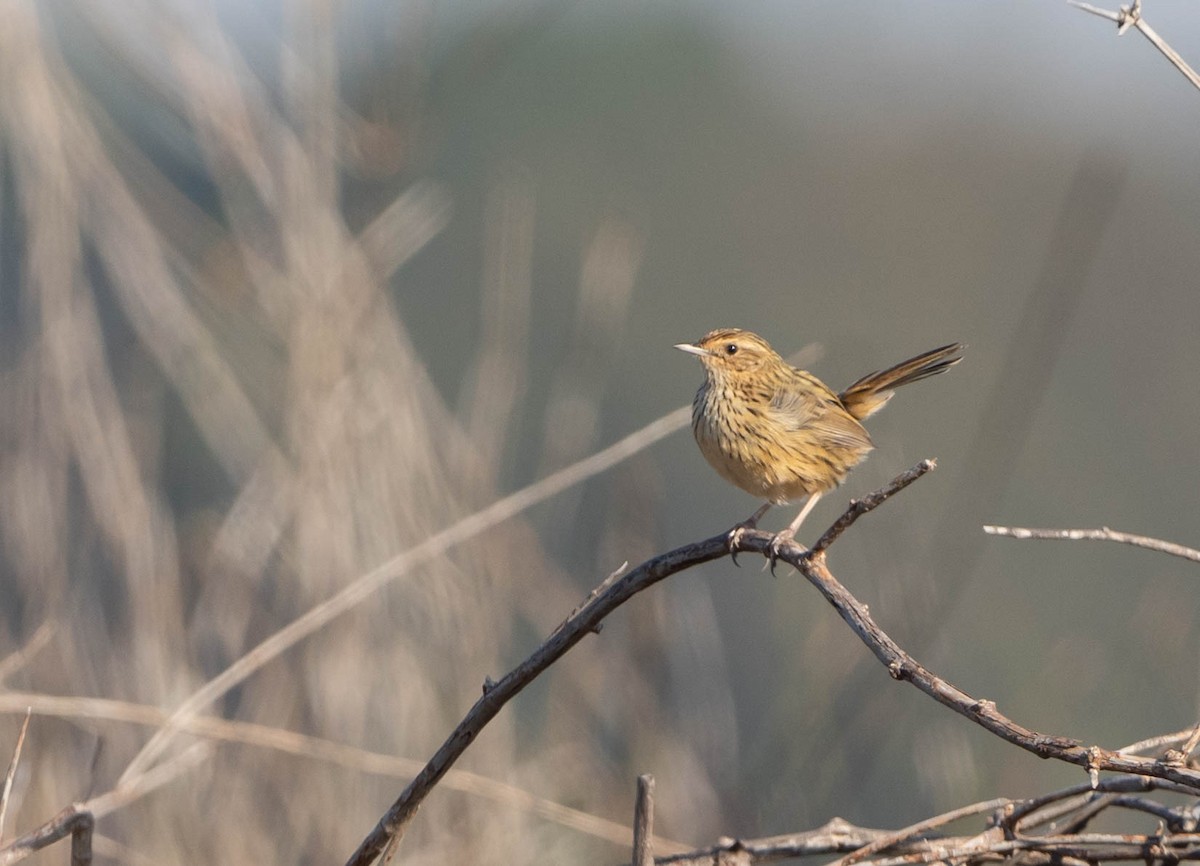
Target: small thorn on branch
{"points": [[603, 587], [1094, 757], [1173, 758]]}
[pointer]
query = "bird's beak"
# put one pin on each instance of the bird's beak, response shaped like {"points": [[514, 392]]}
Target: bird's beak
{"points": [[692, 349]]}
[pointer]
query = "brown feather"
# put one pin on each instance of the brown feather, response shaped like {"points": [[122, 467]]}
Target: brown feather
{"points": [[870, 393]]}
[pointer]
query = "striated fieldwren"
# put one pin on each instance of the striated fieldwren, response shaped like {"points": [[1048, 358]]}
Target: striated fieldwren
{"points": [[779, 432]]}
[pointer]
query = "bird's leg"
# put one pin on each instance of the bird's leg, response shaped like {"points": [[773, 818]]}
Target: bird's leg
{"points": [[751, 522], [789, 534]]}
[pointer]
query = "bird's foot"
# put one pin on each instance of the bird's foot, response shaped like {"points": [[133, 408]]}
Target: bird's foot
{"points": [[735, 538], [735, 534], [781, 539]]}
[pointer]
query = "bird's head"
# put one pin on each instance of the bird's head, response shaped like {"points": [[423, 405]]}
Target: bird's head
{"points": [[731, 351]]}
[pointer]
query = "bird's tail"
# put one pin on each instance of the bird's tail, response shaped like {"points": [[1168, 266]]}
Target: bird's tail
{"points": [[869, 394]]}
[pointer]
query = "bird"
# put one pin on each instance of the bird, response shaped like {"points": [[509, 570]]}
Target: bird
{"points": [[779, 432]]}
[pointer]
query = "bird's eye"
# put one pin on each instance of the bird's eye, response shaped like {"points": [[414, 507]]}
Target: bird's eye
{"points": [[731, 349]]}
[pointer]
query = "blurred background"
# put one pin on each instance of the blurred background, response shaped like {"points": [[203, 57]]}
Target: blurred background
{"points": [[288, 287]]}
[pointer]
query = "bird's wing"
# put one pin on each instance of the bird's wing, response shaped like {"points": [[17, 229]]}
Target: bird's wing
{"points": [[818, 410], [794, 406]]}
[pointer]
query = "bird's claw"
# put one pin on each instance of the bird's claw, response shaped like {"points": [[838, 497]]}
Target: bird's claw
{"points": [[782, 538], [735, 540], [735, 534]]}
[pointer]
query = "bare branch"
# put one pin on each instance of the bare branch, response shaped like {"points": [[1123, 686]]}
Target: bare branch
{"points": [[1082, 800], [79, 819], [141, 784], [1101, 534], [902, 666], [1006, 832], [1095, 10], [1192, 741], [17, 660], [74, 821], [643, 822], [392, 825], [1131, 16], [859, 507], [12, 770], [1161, 741], [920, 830], [837, 836]]}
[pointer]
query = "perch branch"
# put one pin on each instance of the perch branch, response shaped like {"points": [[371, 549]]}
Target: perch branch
{"points": [[390, 829]]}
